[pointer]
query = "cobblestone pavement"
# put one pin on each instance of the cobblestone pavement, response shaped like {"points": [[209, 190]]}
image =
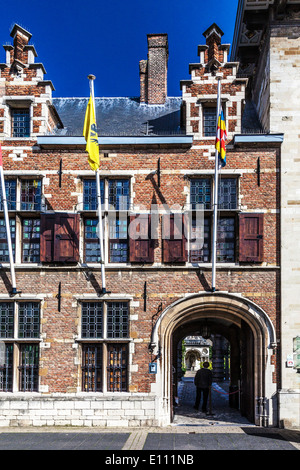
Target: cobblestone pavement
{"points": [[190, 432]]}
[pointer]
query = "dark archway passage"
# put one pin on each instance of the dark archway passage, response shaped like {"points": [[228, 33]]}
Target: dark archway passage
{"points": [[231, 398]]}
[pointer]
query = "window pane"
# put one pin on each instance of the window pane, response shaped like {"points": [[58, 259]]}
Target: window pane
{"points": [[91, 320], [200, 193], [6, 319], [209, 121], [31, 195], [198, 253], [29, 368], [11, 197], [29, 320], [90, 194], [226, 239], [117, 320], [6, 368], [118, 243], [4, 253], [117, 356], [118, 194], [92, 368], [91, 241], [20, 123], [227, 193], [31, 240]]}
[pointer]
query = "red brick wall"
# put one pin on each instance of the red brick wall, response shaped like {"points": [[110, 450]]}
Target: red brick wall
{"points": [[59, 369]]}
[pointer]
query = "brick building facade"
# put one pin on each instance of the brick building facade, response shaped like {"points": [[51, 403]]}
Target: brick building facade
{"points": [[76, 356]]}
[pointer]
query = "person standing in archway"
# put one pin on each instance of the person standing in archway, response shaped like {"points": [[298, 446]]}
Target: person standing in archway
{"points": [[203, 381]]}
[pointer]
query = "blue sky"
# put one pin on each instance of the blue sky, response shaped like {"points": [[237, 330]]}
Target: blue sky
{"points": [[109, 38]]}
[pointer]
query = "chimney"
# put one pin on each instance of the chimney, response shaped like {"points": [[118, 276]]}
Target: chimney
{"points": [[153, 72], [213, 37], [21, 38]]}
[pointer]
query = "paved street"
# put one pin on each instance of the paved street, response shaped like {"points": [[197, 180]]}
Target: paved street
{"points": [[191, 432]]}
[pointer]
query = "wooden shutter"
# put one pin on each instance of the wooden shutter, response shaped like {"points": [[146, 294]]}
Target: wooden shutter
{"points": [[47, 237], [141, 247], [174, 239], [59, 237], [251, 241]]}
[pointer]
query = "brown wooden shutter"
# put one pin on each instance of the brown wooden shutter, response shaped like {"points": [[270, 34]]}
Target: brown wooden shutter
{"points": [[141, 248], [174, 239], [251, 241], [47, 237], [59, 237], [66, 240]]}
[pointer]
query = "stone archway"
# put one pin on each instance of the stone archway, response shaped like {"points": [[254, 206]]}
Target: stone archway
{"points": [[229, 309]]}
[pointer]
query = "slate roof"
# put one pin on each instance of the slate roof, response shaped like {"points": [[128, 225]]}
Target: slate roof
{"points": [[126, 116], [120, 116]]}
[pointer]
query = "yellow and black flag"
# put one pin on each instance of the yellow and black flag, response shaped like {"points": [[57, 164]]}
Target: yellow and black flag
{"points": [[91, 135]]}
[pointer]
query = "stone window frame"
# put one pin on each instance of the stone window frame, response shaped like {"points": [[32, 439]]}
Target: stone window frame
{"points": [[17, 344], [108, 212], [223, 214], [15, 103], [21, 214], [105, 341]]}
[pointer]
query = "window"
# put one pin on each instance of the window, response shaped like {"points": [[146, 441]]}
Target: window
{"points": [[92, 368], [201, 194], [29, 320], [104, 363], [91, 241], [29, 368], [118, 240], [19, 321], [115, 206], [209, 121], [11, 195], [20, 122], [227, 198], [31, 196], [23, 195], [90, 202], [118, 194], [91, 319], [6, 368], [4, 253], [117, 320], [117, 367], [226, 239], [31, 240]]}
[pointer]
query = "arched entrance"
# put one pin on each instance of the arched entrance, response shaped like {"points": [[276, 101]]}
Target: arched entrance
{"points": [[252, 339]]}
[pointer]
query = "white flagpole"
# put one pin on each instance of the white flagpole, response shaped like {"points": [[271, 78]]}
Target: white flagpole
{"points": [[100, 227], [8, 234], [215, 215]]}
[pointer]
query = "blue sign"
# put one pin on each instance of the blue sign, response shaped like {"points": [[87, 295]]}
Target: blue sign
{"points": [[152, 368]]}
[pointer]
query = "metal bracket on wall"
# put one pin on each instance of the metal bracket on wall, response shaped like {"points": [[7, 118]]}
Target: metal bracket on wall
{"points": [[60, 172], [58, 296]]}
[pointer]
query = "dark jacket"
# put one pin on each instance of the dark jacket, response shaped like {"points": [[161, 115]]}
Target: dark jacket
{"points": [[203, 378]]}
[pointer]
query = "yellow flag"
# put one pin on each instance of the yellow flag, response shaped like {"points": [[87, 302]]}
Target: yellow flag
{"points": [[91, 135]]}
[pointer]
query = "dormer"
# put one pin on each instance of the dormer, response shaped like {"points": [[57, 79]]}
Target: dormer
{"points": [[26, 109], [199, 94]]}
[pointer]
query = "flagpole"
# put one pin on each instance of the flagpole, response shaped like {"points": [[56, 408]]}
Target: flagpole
{"points": [[100, 227], [8, 234], [215, 208]]}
